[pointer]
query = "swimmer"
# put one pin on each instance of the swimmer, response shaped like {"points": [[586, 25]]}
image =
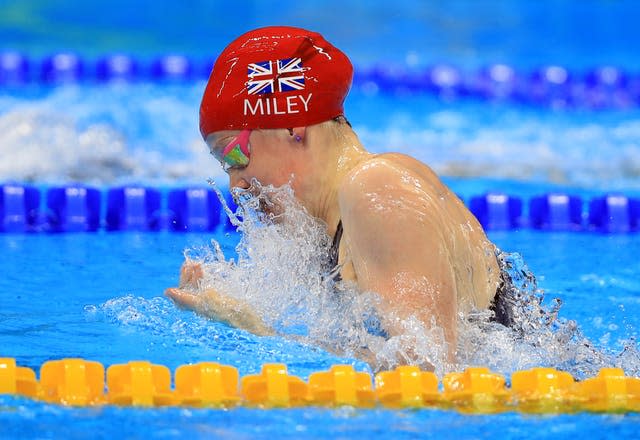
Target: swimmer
{"points": [[273, 111]]}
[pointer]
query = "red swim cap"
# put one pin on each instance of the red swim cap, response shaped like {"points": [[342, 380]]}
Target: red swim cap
{"points": [[275, 77]]}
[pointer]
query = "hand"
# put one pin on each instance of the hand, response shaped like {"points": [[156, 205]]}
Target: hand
{"points": [[190, 275], [212, 304]]}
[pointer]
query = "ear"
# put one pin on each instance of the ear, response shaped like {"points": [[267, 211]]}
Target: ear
{"points": [[298, 133]]}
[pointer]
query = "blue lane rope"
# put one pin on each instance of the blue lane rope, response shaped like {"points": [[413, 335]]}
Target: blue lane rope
{"points": [[551, 86], [80, 208]]}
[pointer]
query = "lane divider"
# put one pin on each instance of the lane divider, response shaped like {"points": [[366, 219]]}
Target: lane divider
{"points": [[477, 390], [80, 208], [553, 86]]}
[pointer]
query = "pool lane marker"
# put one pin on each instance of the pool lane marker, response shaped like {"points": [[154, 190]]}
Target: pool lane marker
{"points": [[17, 380], [548, 86], [79, 208], [477, 390]]}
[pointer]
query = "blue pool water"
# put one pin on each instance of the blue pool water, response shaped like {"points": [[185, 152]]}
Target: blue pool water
{"points": [[99, 296]]}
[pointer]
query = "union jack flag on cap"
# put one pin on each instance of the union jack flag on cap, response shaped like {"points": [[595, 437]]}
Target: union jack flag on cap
{"points": [[288, 75]]}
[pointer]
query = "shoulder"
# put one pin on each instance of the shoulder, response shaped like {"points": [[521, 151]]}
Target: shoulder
{"points": [[391, 174], [392, 219], [394, 202], [384, 163]]}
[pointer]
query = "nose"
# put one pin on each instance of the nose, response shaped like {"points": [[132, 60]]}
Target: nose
{"points": [[236, 181]]}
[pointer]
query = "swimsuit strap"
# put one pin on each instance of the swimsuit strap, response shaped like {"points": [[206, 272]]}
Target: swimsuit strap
{"points": [[333, 252]]}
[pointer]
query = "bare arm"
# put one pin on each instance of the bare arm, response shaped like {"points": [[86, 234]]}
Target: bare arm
{"points": [[393, 228]]}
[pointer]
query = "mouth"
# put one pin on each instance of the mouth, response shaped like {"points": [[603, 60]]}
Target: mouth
{"points": [[261, 202], [264, 206], [271, 209]]}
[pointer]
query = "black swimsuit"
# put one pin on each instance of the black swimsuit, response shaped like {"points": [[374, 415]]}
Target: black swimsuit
{"points": [[500, 306]]}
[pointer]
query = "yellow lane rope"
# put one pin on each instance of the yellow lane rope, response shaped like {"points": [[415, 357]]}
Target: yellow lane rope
{"points": [[79, 382]]}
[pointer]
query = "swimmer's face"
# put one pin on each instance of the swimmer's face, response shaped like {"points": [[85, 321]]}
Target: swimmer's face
{"points": [[248, 155]]}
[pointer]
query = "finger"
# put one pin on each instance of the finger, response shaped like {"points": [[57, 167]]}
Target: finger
{"points": [[185, 272], [190, 273], [182, 298]]}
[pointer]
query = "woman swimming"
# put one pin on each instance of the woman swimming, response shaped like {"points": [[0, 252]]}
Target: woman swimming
{"points": [[273, 112]]}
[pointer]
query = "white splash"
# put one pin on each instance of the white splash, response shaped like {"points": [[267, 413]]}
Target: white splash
{"points": [[102, 135], [591, 150], [149, 133], [539, 337], [281, 271]]}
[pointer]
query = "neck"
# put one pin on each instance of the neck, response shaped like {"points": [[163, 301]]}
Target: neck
{"points": [[331, 156]]}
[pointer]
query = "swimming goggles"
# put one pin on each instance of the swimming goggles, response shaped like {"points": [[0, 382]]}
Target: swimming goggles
{"points": [[237, 152]]}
